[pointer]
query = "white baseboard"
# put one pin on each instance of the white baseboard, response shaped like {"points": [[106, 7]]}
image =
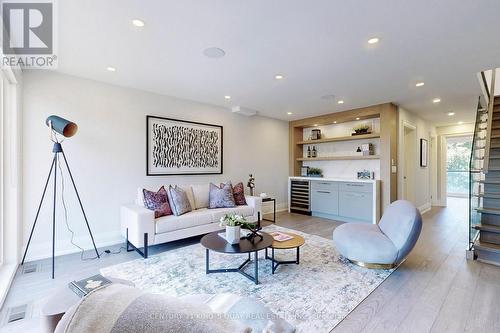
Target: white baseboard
{"points": [[38, 251], [267, 208], [425, 208], [7, 273]]}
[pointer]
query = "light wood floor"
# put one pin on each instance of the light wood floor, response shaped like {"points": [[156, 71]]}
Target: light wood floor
{"points": [[435, 290]]}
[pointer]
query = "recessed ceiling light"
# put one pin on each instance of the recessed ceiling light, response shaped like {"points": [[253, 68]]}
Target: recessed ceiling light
{"points": [[451, 114], [373, 40], [279, 77], [315, 125], [335, 122], [340, 102], [357, 118], [138, 23], [436, 100], [419, 84], [289, 113], [460, 122], [111, 69], [227, 97], [214, 52]]}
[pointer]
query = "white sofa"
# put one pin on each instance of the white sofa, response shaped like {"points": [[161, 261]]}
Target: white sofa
{"points": [[141, 229]]}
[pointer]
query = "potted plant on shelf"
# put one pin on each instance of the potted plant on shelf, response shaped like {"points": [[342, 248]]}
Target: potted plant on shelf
{"points": [[315, 172], [361, 129], [233, 223]]}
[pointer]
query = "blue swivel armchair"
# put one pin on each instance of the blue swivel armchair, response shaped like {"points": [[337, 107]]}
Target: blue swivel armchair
{"points": [[384, 245]]}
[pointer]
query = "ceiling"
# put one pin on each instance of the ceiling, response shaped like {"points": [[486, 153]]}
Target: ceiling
{"points": [[320, 47]]}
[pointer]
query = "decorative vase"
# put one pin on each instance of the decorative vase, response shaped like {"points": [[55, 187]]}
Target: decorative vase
{"points": [[233, 234]]}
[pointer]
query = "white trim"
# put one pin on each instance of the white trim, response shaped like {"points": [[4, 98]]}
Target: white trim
{"points": [[425, 208], [401, 175], [7, 273]]}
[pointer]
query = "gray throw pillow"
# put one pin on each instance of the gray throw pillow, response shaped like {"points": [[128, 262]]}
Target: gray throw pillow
{"points": [[221, 197], [179, 201]]}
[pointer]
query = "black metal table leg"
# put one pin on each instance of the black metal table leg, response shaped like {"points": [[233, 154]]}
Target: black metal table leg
{"points": [[275, 263], [239, 269]]}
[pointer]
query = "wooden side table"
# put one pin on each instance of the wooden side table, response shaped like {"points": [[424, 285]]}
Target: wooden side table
{"points": [[274, 208], [60, 301], [295, 243]]}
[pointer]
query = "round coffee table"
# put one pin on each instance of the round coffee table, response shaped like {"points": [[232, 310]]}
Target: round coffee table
{"points": [[296, 242], [214, 242]]}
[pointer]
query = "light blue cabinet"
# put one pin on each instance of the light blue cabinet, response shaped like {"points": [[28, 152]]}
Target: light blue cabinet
{"points": [[342, 201], [325, 201], [356, 205]]}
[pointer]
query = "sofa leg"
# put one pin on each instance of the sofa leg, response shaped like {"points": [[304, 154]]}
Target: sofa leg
{"points": [[131, 247]]}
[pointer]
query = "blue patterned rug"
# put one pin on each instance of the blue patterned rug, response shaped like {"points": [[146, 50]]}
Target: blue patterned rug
{"points": [[314, 295]]}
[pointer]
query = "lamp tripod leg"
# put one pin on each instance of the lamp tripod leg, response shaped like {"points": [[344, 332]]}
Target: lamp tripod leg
{"points": [[54, 217], [80, 201], [38, 210]]}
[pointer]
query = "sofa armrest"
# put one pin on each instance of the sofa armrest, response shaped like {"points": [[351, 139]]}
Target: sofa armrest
{"points": [[256, 203], [138, 220]]}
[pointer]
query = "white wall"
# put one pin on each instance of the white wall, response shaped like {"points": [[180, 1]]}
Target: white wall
{"points": [[424, 130], [107, 155]]}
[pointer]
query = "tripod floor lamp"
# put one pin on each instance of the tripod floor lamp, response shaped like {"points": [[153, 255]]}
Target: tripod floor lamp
{"points": [[67, 129]]}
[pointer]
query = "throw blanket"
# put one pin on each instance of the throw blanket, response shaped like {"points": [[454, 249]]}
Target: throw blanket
{"points": [[118, 308]]}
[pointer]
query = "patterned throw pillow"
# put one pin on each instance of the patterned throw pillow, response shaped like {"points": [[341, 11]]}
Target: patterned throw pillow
{"points": [[238, 193], [178, 200], [157, 201], [221, 197]]}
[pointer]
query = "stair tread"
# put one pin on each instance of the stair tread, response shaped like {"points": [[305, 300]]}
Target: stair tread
{"points": [[488, 210], [488, 195], [489, 181], [488, 227], [487, 246]]}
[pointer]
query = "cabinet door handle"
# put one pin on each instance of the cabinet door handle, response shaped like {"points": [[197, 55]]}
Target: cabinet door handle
{"points": [[356, 185], [324, 192]]}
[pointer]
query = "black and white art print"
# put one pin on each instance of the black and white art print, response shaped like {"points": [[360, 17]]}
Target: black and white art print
{"points": [[178, 147]]}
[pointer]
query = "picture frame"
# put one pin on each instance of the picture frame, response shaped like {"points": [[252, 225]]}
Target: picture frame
{"points": [[181, 147], [423, 153]]}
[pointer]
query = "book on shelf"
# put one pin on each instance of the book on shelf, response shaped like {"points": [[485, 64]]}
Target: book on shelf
{"points": [[280, 236], [83, 287]]}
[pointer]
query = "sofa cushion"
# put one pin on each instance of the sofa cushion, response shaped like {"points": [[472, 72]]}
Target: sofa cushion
{"points": [[221, 197], [189, 193], [179, 201], [244, 211], [365, 243], [200, 193], [157, 202], [187, 220]]}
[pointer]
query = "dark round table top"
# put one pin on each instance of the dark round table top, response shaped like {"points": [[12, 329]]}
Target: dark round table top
{"points": [[214, 242]]}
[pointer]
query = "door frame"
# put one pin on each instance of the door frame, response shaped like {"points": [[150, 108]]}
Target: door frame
{"points": [[403, 164]]}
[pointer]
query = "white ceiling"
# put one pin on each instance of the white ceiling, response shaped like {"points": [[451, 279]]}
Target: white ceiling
{"points": [[319, 46]]}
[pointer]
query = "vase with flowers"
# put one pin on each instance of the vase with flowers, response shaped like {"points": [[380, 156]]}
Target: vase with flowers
{"points": [[233, 223]]}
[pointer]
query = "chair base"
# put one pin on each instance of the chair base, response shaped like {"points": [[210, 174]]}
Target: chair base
{"points": [[372, 266]]}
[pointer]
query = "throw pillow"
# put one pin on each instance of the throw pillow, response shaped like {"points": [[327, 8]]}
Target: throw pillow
{"points": [[179, 200], [238, 193], [221, 197], [157, 201]]}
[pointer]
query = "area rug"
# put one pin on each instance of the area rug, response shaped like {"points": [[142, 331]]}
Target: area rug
{"points": [[314, 295]]}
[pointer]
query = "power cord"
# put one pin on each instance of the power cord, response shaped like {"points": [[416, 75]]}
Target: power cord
{"points": [[82, 251]]}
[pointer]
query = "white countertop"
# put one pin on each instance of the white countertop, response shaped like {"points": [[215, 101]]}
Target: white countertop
{"points": [[371, 181]]}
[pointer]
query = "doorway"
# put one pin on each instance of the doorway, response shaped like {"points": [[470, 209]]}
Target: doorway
{"points": [[409, 161], [458, 150]]}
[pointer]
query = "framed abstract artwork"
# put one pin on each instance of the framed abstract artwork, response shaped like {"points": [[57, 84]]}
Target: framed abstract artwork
{"points": [[179, 147], [423, 153]]}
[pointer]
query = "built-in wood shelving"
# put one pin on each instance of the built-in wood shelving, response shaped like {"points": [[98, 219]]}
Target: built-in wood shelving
{"points": [[339, 158], [341, 138]]}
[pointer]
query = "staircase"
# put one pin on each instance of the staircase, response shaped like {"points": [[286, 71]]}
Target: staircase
{"points": [[484, 219]]}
